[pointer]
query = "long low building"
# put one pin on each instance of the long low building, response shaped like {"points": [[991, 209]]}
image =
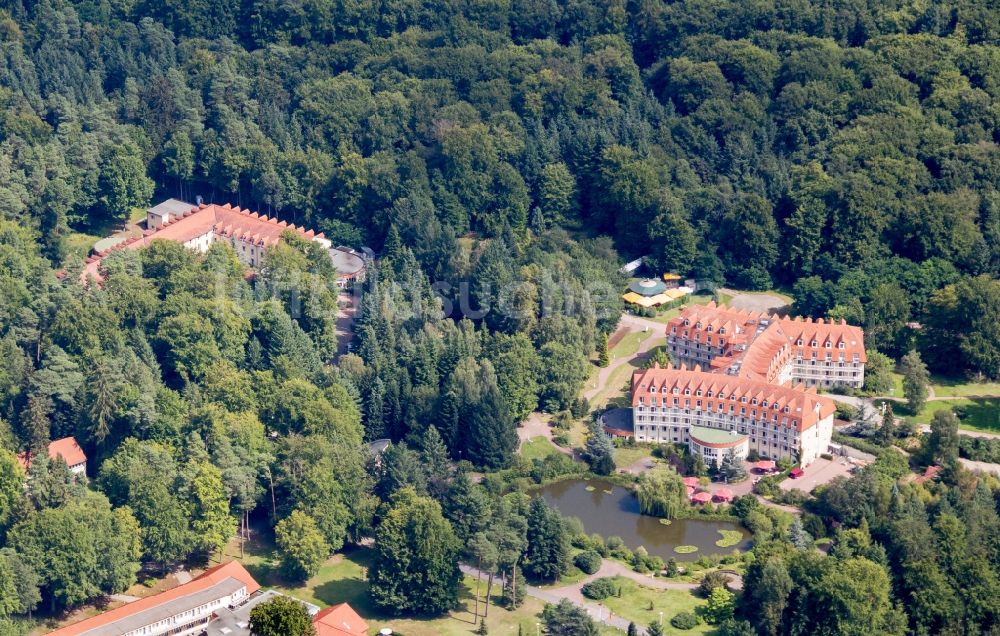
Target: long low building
{"points": [[182, 611], [197, 227], [715, 413]]}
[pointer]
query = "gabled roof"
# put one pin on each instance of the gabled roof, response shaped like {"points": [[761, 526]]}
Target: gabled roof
{"points": [[339, 620], [67, 448], [125, 618], [805, 408]]}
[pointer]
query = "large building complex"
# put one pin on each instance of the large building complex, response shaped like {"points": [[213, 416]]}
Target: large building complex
{"points": [[768, 347], [715, 414], [197, 227]]}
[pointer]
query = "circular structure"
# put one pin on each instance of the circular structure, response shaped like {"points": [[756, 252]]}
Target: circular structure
{"points": [[648, 287], [713, 444]]}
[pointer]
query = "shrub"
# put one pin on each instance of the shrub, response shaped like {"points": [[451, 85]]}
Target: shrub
{"points": [[684, 620], [600, 589], [711, 581], [588, 561]]}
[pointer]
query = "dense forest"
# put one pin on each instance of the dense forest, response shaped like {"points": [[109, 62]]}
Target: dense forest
{"points": [[503, 154]]}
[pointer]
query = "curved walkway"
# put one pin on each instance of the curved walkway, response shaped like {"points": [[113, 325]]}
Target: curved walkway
{"points": [[604, 374], [598, 611]]}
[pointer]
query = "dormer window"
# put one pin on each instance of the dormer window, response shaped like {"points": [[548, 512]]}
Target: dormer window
{"points": [[687, 323], [710, 329], [813, 343], [784, 410], [840, 345], [697, 325], [827, 345], [799, 342], [687, 391], [698, 393], [753, 401]]}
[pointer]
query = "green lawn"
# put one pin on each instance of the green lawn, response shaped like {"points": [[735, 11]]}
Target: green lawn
{"points": [[629, 345], [960, 387], [980, 414], [635, 599], [537, 448], [618, 378], [628, 455]]}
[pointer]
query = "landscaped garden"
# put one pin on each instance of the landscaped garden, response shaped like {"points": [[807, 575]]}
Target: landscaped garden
{"points": [[644, 605]]}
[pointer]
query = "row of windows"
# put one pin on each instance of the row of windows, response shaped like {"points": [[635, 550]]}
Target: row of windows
{"points": [[698, 393], [742, 424]]}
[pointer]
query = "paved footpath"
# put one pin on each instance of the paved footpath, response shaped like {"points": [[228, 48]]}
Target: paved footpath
{"points": [[598, 611]]}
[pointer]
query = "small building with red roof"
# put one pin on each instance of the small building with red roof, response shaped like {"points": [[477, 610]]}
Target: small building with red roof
{"points": [[68, 449], [339, 620]]}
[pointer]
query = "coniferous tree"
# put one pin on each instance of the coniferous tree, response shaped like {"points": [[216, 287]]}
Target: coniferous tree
{"points": [[916, 381], [547, 551], [599, 451], [603, 357]]}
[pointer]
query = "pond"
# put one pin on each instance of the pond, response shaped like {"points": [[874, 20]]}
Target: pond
{"points": [[611, 510]]}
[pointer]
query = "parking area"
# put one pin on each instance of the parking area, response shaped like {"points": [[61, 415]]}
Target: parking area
{"points": [[821, 471]]}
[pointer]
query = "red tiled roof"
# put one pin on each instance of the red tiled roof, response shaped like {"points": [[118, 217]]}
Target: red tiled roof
{"points": [[805, 407], [208, 579], [774, 346], [339, 620], [67, 448], [223, 220]]}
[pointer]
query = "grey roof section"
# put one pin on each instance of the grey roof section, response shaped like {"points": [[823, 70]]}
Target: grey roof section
{"points": [[378, 446], [170, 206], [618, 419], [167, 609], [346, 260], [236, 622]]}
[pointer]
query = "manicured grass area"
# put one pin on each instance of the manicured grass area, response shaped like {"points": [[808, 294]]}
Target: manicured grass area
{"points": [[635, 600], [628, 455], [979, 414], [614, 387], [629, 345], [960, 387], [537, 448]]}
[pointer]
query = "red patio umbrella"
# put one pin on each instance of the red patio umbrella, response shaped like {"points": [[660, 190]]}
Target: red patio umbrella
{"points": [[701, 498], [724, 494], [691, 481], [765, 465]]}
